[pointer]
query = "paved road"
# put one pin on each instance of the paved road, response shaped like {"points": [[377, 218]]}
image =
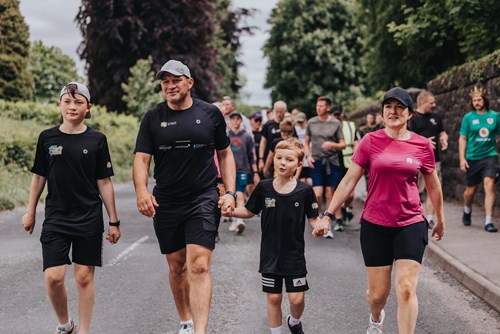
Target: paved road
{"points": [[133, 294]]}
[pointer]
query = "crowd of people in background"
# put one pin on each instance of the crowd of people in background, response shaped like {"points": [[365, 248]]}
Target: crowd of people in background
{"points": [[285, 170]]}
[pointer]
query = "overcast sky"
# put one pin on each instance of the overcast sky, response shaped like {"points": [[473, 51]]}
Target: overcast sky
{"points": [[52, 21]]}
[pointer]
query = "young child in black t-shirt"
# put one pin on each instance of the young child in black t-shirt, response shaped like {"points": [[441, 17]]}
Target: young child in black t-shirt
{"points": [[73, 159], [285, 202]]}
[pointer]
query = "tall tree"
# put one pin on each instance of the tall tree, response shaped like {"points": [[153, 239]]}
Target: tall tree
{"points": [[51, 70], [118, 33], [15, 79], [313, 49]]}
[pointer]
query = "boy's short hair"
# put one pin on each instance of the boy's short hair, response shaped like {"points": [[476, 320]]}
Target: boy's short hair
{"points": [[292, 144], [287, 127]]}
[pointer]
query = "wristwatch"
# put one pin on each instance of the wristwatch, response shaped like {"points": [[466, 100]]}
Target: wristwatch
{"points": [[115, 224], [329, 215], [232, 193]]}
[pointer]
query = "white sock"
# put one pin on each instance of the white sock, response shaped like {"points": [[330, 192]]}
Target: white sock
{"points": [[66, 326], [487, 220], [430, 217], [187, 322], [276, 330], [467, 209], [293, 322]]}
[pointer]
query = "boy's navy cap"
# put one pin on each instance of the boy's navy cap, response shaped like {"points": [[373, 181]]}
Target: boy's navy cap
{"points": [[174, 67], [80, 89], [235, 113], [399, 94], [256, 115]]}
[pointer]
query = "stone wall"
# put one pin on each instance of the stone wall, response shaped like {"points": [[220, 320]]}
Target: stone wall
{"points": [[451, 90]]}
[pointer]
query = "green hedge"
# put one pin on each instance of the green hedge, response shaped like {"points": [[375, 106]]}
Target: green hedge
{"points": [[20, 125]]}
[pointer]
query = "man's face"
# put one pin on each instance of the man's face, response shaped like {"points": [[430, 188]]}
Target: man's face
{"points": [[279, 114], [228, 106], [478, 103], [428, 106], [175, 89], [322, 108]]}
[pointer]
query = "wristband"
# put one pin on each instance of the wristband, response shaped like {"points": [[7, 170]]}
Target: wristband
{"points": [[115, 224], [329, 215], [232, 193]]}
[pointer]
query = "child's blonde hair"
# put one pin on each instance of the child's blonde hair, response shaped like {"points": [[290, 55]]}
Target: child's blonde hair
{"points": [[292, 144]]}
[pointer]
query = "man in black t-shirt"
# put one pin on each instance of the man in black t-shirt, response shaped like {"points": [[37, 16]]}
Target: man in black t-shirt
{"points": [[429, 124], [181, 134], [271, 131]]}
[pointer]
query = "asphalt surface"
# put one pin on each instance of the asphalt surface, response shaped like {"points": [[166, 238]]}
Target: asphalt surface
{"points": [[133, 295]]}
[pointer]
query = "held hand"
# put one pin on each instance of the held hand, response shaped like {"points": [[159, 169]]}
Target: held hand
{"points": [[113, 234], [146, 204], [438, 231], [28, 222], [226, 204], [321, 228]]}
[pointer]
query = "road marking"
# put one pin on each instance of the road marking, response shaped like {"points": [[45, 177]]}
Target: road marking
{"points": [[123, 255]]}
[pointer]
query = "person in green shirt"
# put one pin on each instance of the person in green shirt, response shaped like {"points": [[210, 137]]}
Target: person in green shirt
{"points": [[478, 155]]}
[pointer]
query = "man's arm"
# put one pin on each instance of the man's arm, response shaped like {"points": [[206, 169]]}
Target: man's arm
{"points": [[262, 150], [146, 202], [462, 145]]}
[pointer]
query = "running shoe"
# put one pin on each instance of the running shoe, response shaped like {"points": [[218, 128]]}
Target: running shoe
{"points": [[339, 226], [62, 330], [186, 329], [297, 329], [240, 226], [466, 218], [490, 228], [234, 226], [328, 235], [376, 327]]}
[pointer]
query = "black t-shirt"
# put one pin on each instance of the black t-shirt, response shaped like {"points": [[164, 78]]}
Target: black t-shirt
{"points": [[182, 143], [270, 130], [428, 125], [72, 164], [283, 223]]}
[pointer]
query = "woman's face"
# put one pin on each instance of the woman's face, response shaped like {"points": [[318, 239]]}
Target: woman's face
{"points": [[396, 115]]}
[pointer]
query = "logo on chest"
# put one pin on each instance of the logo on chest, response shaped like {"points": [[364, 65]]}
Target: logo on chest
{"points": [[55, 150], [270, 202]]}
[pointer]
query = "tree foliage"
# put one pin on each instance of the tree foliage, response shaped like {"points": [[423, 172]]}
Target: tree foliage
{"points": [[230, 26], [313, 50], [141, 90], [118, 33], [51, 70], [15, 79]]}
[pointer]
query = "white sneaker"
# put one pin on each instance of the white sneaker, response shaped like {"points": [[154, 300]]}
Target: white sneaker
{"points": [[234, 226], [187, 329], [62, 330], [240, 226], [328, 235], [376, 327]]}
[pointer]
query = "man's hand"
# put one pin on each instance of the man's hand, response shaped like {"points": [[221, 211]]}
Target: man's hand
{"points": [[113, 234], [464, 165], [226, 204], [146, 204]]}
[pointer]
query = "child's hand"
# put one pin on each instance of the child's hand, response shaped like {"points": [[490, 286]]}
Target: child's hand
{"points": [[28, 222], [321, 228]]}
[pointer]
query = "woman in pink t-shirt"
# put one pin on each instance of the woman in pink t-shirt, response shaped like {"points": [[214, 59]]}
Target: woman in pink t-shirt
{"points": [[393, 229]]}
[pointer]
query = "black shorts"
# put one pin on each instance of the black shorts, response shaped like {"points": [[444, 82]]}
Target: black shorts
{"points": [[479, 169], [272, 283], [382, 245], [191, 222], [85, 250]]}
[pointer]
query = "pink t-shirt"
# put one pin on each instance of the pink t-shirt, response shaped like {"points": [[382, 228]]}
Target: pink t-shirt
{"points": [[393, 166]]}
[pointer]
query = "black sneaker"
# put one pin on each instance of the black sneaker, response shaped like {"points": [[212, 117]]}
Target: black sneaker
{"points": [[466, 218], [490, 228], [297, 329]]}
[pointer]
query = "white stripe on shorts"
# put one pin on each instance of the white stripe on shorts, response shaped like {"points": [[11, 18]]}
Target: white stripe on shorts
{"points": [[269, 282]]}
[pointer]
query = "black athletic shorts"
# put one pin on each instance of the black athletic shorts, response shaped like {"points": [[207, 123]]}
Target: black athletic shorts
{"points": [[85, 250], [382, 245], [272, 283], [187, 222], [479, 169]]}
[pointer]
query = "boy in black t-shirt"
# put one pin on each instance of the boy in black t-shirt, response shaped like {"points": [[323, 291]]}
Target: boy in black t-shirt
{"points": [[74, 161], [284, 202]]}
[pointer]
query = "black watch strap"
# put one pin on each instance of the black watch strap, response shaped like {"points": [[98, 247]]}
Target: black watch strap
{"points": [[329, 215], [232, 193], [115, 224]]}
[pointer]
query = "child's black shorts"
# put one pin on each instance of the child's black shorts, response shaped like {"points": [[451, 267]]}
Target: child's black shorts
{"points": [[85, 250], [272, 283]]}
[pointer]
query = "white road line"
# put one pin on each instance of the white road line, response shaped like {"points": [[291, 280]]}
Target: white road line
{"points": [[123, 255]]}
